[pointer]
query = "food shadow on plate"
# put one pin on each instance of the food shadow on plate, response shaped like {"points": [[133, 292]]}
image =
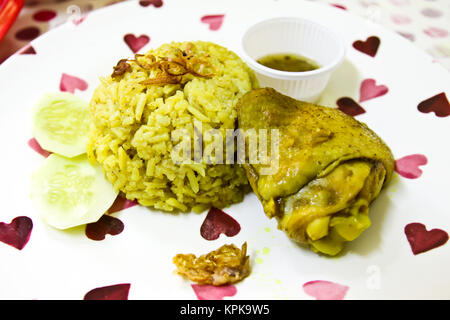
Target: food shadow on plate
{"points": [[344, 82]]}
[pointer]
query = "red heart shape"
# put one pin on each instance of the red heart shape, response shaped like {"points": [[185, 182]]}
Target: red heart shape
{"points": [[208, 292], [105, 225], [120, 204], [34, 144], [27, 33], [369, 90], [217, 222], [44, 15], [369, 47], [70, 83], [350, 106], [408, 166], [339, 6], [325, 290], [17, 233], [136, 43], [214, 21], [114, 292], [438, 104], [155, 3], [28, 50], [422, 240]]}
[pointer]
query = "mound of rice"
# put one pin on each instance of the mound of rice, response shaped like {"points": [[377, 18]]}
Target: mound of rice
{"points": [[133, 123]]}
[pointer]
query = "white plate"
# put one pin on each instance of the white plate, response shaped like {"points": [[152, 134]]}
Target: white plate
{"points": [[379, 265]]}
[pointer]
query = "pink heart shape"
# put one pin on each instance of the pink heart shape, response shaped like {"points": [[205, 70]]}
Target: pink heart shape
{"points": [[421, 240], [349, 106], [431, 12], [400, 19], [70, 83], [400, 2], [369, 47], [136, 43], [438, 104], [208, 292], [17, 233], [369, 90], [214, 21], [114, 292], [325, 290], [105, 225], [34, 144], [217, 222], [408, 166], [434, 32]]}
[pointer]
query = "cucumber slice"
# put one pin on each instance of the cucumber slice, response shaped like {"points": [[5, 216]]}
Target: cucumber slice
{"points": [[71, 192], [61, 124]]}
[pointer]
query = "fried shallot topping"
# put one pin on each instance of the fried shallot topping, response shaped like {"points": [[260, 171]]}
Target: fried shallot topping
{"points": [[121, 67], [226, 265], [169, 70]]}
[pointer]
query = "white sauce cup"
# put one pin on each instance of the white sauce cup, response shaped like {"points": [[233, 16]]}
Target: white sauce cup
{"points": [[293, 36]]}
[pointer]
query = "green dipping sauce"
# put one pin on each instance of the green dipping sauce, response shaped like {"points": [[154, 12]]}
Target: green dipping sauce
{"points": [[288, 62]]}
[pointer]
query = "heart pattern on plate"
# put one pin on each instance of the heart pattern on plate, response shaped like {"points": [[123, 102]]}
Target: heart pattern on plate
{"points": [[113, 292], [69, 83], [369, 47], [209, 292], [325, 290], [217, 222], [136, 43], [155, 3], [17, 233], [28, 50], [434, 32], [27, 33], [438, 104], [422, 240], [350, 106], [214, 21], [408, 166], [120, 204], [419, 238], [105, 225], [369, 90], [34, 144], [339, 6]]}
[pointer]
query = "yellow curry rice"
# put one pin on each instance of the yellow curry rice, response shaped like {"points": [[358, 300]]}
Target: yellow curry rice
{"points": [[134, 118]]}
